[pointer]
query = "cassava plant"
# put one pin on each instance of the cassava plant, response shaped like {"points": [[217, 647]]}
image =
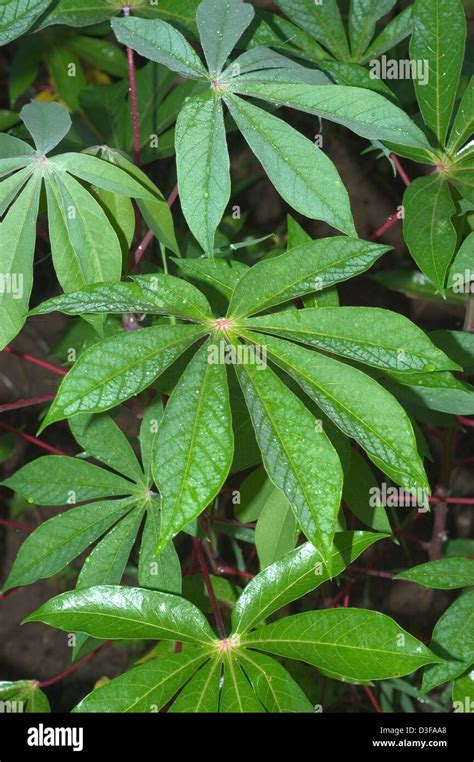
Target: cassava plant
{"points": [[280, 428]]}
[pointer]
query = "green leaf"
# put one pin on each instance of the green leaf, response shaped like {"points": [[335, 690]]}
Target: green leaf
{"points": [[146, 688], [445, 574], [56, 542], [276, 530], [310, 267], [129, 613], [463, 693], [461, 174], [301, 173], [194, 444], [148, 431], [256, 491], [463, 125], [427, 227], [101, 53], [201, 694], [84, 246], [358, 405], [221, 23], [350, 643], [297, 455], [295, 575], [436, 391], [161, 42], [369, 335], [361, 494], [48, 124], [100, 173], [202, 162], [66, 74], [453, 638], [460, 272], [17, 243], [17, 16], [222, 274], [322, 21], [102, 439], [439, 34], [62, 480], [38, 702], [158, 572], [237, 694], [119, 367], [459, 345], [392, 33], [11, 187], [365, 112], [273, 685], [362, 19], [158, 294]]}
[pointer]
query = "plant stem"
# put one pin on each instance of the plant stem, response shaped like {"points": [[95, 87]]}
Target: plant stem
{"points": [[210, 590], [16, 525], [26, 403], [31, 439], [36, 361], [73, 667], [386, 226], [133, 98], [400, 169], [435, 550]]}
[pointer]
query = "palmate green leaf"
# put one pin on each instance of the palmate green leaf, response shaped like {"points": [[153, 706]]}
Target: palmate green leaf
{"points": [[237, 695], [100, 173], [295, 575], [148, 431], [460, 271], [14, 154], [453, 639], [427, 227], [201, 694], [158, 294], [202, 163], [394, 32], [349, 643], [298, 456], [358, 405], [301, 173], [260, 58], [273, 685], [194, 444], [360, 494], [101, 438], [119, 367], [463, 693], [354, 75], [84, 246], [445, 574], [130, 613], [56, 542], [221, 23], [121, 215], [60, 479], [322, 21], [17, 239], [439, 34], [310, 266], [47, 123], [365, 112], [369, 335], [146, 688], [17, 16], [362, 19], [161, 42], [11, 187], [463, 125], [163, 571], [276, 531], [222, 274]]}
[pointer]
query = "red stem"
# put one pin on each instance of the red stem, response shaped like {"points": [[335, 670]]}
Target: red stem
{"points": [[31, 439], [400, 169], [36, 361], [133, 98], [372, 699], [26, 403], [465, 421], [210, 590], [16, 525], [386, 226], [73, 667]]}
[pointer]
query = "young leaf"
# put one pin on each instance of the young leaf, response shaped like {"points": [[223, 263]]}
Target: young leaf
{"points": [[445, 574], [439, 34], [273, 685], [297, 455], [158, 572], [102, 439], [295, 575], [146, 688], [56, 542], [119, 367], [100, 173], [368, 335], [221, 23], [302, 174], [194, 444], [427, 227], [159, 42], [322, 21], [358, 405], [453, 638], [201, 694], [202, 162], [362, 19], [47, 123], [237, 693], [311, 266], [17, 243], [61, 480], [129, 613], [349, 643], [365, 112]]}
